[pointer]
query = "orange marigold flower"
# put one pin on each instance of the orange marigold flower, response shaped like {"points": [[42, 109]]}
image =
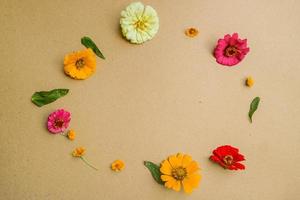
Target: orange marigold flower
{"points": [[80, 64], [117, 165], [79, 152], [71, 135], [249, 81], [191, 32]]}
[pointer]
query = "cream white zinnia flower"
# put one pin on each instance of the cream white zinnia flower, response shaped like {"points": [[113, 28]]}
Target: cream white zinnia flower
{"points": [[139, 23]]}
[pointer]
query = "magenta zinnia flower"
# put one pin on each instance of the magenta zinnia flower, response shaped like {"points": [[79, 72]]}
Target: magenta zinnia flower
{"points": [[231, 50], [58, 121]]}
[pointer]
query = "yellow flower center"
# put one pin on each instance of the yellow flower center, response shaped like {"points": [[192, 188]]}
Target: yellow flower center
{"points": [[228, 160], [179, 173], [80, 63], [140, 24], [231, 51]]}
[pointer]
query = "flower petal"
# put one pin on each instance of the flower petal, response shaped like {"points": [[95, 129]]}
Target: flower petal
{"points": [[192, 167], [174, 161], [180, 157], [177, 186], [170, 183], [239, 166], [215, 158], [225, 150], [166, 168], [238, 157], [227, 37], [166, 178], [191, 182], [186, 160]]}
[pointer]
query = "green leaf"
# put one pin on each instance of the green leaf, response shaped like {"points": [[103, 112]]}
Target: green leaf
{"points": [[253, 107], [45, 97], [88, 43], [154, 169]]}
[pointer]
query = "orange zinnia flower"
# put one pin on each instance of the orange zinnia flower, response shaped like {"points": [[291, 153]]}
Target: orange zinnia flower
{"points": [[80, 64], [180, 170]]}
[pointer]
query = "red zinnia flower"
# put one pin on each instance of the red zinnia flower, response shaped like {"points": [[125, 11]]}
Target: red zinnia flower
{"points": [[231, 50], [228, 157]]}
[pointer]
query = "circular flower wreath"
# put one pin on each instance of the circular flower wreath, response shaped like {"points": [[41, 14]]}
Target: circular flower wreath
{"points": [[139, 24]]}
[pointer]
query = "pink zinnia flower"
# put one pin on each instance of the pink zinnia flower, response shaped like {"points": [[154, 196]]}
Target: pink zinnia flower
{"points": [[231, 50], [58, 121]]}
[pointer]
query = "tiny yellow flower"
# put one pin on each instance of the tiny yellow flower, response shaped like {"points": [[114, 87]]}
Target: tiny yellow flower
{"points": [[71, 135], [117, 165], [249, 81], [191, 32], [79, 152]]}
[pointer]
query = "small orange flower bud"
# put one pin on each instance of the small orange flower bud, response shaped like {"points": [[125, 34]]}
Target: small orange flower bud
{"points": [[249, 81], [71, 135], [78, 152], [117, 165], [191, 32]]}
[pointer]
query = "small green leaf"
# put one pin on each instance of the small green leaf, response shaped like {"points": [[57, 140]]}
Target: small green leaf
{"points": [[45, 97], [154, 169], [88, 43], [253, 107]]}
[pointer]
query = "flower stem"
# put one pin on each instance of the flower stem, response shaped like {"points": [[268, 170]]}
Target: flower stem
{"points": [[64, 135], [86, 162]]}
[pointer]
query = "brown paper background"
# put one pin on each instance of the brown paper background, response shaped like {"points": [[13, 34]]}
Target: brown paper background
{"points": [[148, 101]]}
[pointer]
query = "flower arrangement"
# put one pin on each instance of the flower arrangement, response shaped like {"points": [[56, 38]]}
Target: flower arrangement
{"points": [[140, 23]]}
